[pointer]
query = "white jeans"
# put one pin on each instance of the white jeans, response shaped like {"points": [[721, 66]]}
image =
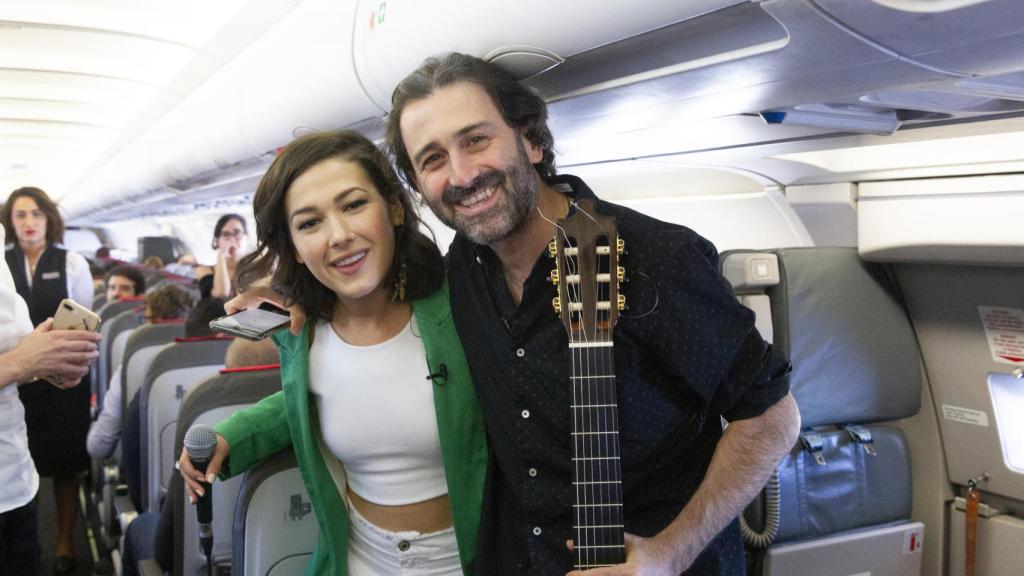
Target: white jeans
{"points": [[373, 551]]}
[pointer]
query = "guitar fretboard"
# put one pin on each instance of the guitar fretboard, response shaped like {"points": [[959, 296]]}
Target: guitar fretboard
{"points": [[597, 473]]}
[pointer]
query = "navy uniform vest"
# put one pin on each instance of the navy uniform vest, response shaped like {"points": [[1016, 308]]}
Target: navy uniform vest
{"points": [[49, 283]]}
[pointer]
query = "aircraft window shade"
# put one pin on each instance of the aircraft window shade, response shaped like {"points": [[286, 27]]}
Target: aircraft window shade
{"points": [[1007, 392]]}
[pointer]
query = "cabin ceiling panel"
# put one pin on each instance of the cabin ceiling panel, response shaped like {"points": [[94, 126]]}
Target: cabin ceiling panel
{"points": [[915, 34], [81, 88], [60, 111], [89, 52], [190, 22], [81, 72]]}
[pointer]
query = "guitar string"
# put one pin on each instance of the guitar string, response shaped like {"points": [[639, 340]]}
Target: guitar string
{"points": [[606, 487], [609, 442], [581, 514]]}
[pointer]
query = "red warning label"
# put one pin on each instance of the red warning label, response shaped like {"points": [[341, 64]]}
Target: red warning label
{"points": [[913, 541], [1004, 328]]}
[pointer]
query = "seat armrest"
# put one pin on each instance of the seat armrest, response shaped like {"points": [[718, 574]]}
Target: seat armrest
{"points": [[126, 512]]}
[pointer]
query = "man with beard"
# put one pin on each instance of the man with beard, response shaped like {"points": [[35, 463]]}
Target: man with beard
{"points": [[475, 144]]}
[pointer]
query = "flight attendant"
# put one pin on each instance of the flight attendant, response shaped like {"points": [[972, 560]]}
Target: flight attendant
{"points": [[57, 419]]}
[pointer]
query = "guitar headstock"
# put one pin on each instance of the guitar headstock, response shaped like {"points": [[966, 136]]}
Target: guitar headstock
{"points": [[586, 250]]}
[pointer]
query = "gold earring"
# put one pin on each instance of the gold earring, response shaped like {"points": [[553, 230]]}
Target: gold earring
{"points": [[397, 215], [400, 279]]}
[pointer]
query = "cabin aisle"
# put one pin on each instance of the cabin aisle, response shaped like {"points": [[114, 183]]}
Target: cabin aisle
{"points": [[47, 534]]}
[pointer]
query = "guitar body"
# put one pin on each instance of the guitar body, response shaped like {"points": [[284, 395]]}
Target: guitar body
{"points": [[586, 251]]}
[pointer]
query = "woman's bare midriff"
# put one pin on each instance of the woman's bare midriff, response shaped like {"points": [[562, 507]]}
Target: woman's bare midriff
{"points": [[424, 517]]}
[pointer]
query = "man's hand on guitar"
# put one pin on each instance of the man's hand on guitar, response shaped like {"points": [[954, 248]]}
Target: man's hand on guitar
{"points": [[644, 557]]}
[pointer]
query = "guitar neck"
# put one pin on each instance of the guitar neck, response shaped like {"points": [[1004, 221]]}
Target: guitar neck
{"points": [[586, 250], [597, 473]]}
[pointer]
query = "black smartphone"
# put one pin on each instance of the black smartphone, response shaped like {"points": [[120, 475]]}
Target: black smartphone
{"points": [[252, 323]]}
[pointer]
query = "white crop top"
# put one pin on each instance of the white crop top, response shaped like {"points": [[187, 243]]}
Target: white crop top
{"points": [[377, 416]]}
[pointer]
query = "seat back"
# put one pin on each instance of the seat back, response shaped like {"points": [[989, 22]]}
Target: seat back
{"points": [[101, 369], [207, 403], [121, 327], [856, 363], [142, 346], [174, 370], [275, 529]]}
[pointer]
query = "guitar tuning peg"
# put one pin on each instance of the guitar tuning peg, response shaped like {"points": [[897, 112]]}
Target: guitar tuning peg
{"points": [[556, 303], [552, 249], [620, 274], [621, 302], [554, 276], [620, 246]]}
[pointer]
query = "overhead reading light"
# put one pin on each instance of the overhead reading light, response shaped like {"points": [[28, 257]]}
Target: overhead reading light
{"points": [[843, 118], [927, 6]]}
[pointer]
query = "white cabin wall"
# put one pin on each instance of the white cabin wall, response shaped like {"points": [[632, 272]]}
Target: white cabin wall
{"points": [[124, 236], [829, 211]]}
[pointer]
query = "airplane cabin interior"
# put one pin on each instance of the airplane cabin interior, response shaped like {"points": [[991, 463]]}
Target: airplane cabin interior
{"points": [[859, 165]]}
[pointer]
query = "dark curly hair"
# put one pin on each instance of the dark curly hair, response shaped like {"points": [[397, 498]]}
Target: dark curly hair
{"points": [[521, 108], [275, 252]]}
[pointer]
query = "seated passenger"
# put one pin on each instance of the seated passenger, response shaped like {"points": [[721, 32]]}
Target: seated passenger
{"points": [[185, 266], [124, 282], [206, 310], [230, 240], [168, 302]]}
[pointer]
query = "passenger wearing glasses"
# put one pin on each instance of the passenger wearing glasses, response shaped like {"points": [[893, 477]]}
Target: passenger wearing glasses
{"points": [[230, 240]]}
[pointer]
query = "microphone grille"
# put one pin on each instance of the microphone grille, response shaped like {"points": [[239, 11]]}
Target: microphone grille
{"points": [[200, 442]]}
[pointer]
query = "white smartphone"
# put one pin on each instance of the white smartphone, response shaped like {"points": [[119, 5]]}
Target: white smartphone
{"points": [[71, 315], [252, 323]]}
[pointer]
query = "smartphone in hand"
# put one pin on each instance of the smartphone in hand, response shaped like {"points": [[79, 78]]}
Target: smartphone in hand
{"points": [[71, 315], [252, 323]]}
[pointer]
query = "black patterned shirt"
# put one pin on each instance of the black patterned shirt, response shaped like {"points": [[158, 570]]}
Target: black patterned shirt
{"points": [[686, 354]]}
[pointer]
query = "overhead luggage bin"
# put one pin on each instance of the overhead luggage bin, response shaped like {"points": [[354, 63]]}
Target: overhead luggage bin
{"points": [[527, 37], [979, 39], [969, 219]]}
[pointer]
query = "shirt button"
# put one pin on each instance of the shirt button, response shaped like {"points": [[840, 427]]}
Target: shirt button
{"points": [[520, 352], [403, 545], [536, 530], [532, 472], [525, 413]]}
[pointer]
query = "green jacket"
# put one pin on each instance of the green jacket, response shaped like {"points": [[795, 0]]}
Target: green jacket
{"points": [[285, 419]]}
